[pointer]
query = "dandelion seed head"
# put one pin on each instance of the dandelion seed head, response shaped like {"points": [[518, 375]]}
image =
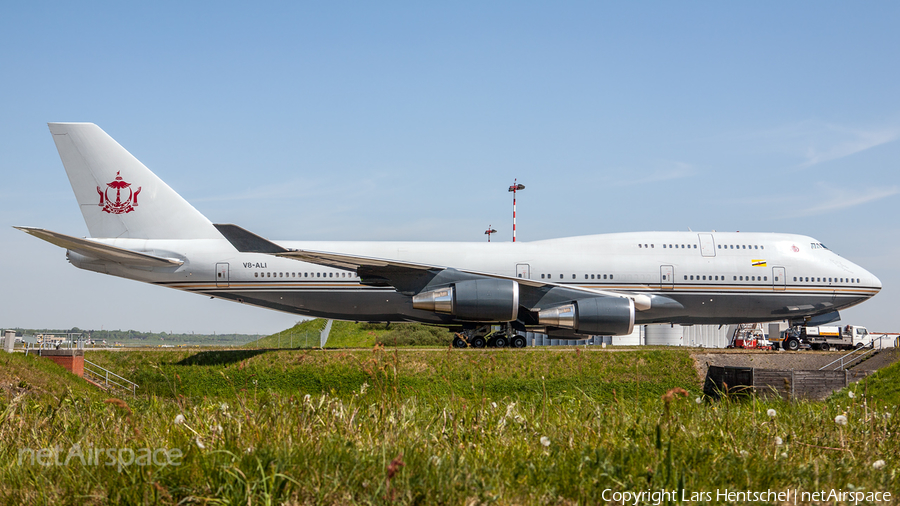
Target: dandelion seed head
{"points": [[771, 412], [840, 420], [850, 394], [200, 444], [545, 441], [179, 419], [698, 400], [745, 453], [778, 441], [218, 429], [784, 455], [494, 405], [878, 464]]}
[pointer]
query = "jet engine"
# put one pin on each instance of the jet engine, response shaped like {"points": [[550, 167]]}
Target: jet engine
{"points": [[609, 316], [483, 300]]}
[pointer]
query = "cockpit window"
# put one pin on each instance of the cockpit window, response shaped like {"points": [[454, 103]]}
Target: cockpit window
{"points": [[818, 245]]}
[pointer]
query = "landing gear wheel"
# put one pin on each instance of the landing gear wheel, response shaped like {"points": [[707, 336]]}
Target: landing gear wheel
{"points": [[459, 343], [500, 342], [518, 342], [477, 342], [792, 344]]}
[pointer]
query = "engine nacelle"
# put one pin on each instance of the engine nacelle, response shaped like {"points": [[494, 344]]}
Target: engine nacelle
{"points": [[608, 316], [483, 300]]}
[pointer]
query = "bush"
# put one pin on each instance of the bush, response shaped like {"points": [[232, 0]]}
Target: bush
{"points": [[410, 334]]}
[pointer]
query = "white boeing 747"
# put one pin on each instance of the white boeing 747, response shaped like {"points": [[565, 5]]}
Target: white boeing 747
{"points": [[572, 287]]}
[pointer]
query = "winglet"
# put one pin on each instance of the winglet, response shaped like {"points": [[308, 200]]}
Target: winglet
{"points": [[248, 242]]}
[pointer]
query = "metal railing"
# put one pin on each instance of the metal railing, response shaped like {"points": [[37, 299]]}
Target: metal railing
{"points": [[107, 378], [856, 356]]}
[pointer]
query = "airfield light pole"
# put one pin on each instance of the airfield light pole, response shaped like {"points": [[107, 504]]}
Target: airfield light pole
{"points": [[489, 231], [514, 188]]}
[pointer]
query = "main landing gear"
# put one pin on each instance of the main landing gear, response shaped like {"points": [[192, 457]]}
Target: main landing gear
{"points": [[483, 337]]}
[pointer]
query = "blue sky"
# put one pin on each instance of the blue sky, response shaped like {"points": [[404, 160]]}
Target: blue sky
{"points": [[407, 121]]}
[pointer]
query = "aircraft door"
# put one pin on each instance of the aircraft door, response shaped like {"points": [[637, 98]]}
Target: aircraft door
{"points": [[222, 274], [666, 277], [778, 281], [707, 245], [523, 271]]}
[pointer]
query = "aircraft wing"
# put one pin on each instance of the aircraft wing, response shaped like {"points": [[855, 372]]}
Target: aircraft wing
{"points": [[409, 277], [101, 251]]}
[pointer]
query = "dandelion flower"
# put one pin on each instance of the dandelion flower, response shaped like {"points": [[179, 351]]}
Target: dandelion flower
{"points": [[778, 441], [840, 420], [851, 394], [771, 412], [745, 453], [179, 419], [698, 400], [223, 407], [200, 444], [784, 455], [545, 441], [878, 464], [218, 429], [494, 405]]}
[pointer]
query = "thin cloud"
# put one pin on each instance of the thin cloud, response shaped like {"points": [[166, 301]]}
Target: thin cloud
{"points": [[680, 171], [847, 199], [855, 141]]}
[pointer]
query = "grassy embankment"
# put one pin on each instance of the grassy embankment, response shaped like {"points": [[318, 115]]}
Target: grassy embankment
{"points": [[355, 335], [434, 427]]}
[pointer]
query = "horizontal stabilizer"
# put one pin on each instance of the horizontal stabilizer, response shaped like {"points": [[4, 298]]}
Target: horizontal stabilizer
{"points": [[101, 251], [247, 242]]}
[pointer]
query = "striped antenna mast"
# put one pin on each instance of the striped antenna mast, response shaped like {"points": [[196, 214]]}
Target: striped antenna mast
{"points": [[514, 188]]}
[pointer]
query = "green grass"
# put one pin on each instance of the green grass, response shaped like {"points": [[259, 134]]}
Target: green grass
{"points": [[469, 426], [355, 335]]}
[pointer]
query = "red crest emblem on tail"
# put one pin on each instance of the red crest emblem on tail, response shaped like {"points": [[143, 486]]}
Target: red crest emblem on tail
{"points": [[118, 206]]}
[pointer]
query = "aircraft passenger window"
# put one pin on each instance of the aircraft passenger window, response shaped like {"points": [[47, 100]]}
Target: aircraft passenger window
{"points": [[685, 277], [742, 278], [704, 278], [280, 274], [766, 278], [695, 246], [560, 276], [610, 276], [807, 280], [652, 245], [664, 277], [670, 245], [795, 278], [732, 246], [756, 247], [692, 277], [720, 246], [255, 274], [735, 278], [762, 247], [664, 245], [640, 245], [818, 280], [573, 276]]}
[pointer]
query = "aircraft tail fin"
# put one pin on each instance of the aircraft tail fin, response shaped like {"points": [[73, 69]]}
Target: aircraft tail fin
{"points": [[118, 195]]}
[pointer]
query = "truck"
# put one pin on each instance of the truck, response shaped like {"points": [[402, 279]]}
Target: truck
{"points": [[847, 337]]}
